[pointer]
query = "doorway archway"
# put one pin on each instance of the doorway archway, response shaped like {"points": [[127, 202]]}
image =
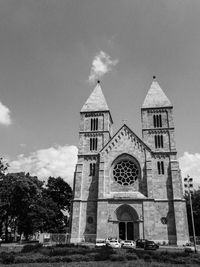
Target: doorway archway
{"points": [[128, 222]]}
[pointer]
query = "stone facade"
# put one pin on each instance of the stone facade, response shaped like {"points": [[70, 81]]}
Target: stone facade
{"points": [[124, 186]]}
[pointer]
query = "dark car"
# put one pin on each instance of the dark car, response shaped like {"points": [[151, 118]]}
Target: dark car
{"points": [[140, 243], [150, 245]]}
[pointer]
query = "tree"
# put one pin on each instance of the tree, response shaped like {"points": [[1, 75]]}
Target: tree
{"points": [[196, 211], [60, 192], [17, 192], [26, 205]]}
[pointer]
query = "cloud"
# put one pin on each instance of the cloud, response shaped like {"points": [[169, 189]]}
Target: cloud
{"points": [[54, 161], [101, 64], [190, 165], [4, 115]]}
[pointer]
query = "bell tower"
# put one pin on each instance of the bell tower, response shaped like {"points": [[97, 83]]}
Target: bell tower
{"points": [[94, 132], [158, 133]]}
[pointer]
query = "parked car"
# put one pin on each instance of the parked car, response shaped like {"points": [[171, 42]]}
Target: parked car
{"points": [[140, 243], [150, 245], [113, 243], [100, 243], [129, 244], [189, 248]]}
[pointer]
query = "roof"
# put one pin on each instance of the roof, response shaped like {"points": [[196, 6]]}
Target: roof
{"points": [[96, 101], [155, 97]]}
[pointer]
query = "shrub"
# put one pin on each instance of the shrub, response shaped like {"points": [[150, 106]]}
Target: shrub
{"points": [[63, 251], [147, 257], [80, 257], [131, 257], [7, 258], [31, 248], [104, 253], [115, 257]]}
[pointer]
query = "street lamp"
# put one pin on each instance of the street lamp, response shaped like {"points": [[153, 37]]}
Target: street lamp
{"points": [[188, 180]]}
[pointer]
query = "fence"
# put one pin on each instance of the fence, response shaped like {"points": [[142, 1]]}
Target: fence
{"points": [[49, 239]]}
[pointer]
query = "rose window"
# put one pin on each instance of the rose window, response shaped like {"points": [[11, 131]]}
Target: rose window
{"points": [[125, 172]]}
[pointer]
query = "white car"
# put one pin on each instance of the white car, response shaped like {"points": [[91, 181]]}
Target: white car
{"points": [[100, 243], [129, 244], [113, 244], [189, 249]]}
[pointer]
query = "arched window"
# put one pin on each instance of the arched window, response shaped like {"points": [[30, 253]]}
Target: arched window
{"points": [[161, 140], [92, 169], [160, 167], [94, 124], [93, 144], [155, 139], [158, 141], [160, 121], [157, 121], [154, 121]]}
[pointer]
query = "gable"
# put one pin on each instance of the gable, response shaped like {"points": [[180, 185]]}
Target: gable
{"points": [[125, 136]]}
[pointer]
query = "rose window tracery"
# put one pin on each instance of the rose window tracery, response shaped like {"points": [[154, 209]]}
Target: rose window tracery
{"points": [[125, 172]]}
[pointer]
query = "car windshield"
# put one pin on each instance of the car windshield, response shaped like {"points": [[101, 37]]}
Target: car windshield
{"points": [[150, 242]]}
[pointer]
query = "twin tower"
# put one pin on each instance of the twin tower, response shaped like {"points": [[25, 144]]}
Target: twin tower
{"points": [[124, 186]]}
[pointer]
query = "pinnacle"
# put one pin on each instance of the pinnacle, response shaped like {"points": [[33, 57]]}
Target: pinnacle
{"points": [[96, 101], [155, 97]]}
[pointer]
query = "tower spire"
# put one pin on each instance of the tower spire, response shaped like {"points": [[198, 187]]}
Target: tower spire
{"points": [[96, 101], [155, 97]]}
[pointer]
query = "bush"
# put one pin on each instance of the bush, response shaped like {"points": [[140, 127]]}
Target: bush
{"points": [[7, 258], [80, 257], [115, 257], [131, 257], [104, 253], [63, 251], [31, 248], [147, 257]]}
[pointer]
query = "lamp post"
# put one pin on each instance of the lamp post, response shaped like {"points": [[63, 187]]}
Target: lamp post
{"points": [[188, 179]]}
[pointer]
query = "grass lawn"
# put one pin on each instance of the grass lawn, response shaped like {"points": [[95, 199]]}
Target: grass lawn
{"points": [[138, 263], [74, 256]]}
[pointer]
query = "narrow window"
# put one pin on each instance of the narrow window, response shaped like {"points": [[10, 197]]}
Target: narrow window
{"points": [[90, 169], [158, 166], [155, 139], [95, 147], [94, 124], [93, 169], [93, 144], [157, 120], [160, 120], [96, 120], [162, 167], [154, 121], [91, 124], [161, 141], [158, 136]]}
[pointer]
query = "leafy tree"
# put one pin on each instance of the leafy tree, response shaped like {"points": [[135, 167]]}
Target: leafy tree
{"points": [[17, 192], [196, 212], [26, 205], [60, 192]]}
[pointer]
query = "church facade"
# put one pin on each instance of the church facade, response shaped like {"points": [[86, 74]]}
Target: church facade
{"points": [[125, 186]]}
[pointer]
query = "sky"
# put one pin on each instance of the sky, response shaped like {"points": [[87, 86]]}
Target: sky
{"points": [[52, 52]]}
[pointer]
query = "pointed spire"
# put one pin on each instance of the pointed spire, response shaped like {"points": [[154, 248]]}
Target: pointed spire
{"points": [[155, 97], [96, 101]]}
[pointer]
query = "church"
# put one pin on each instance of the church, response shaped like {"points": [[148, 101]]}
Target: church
{"points": [[125, 186]]}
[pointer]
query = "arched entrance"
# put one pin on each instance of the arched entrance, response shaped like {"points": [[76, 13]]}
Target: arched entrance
{"points": [[128, 223]]}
